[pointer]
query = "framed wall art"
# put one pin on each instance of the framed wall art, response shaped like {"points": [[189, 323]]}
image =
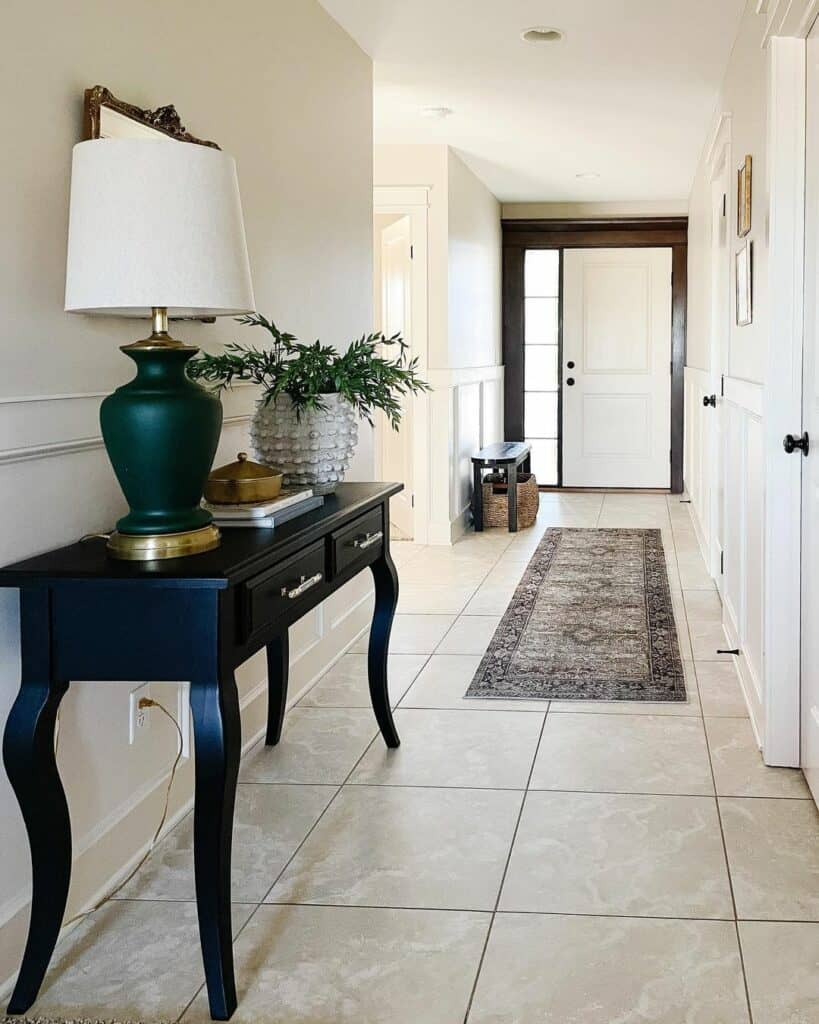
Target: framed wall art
{"points": [[744, 198], [744, 280]]}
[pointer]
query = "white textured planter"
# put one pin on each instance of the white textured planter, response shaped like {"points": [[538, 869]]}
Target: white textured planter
{"points": [[314, 450]]}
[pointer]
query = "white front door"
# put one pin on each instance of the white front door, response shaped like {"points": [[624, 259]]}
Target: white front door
{"points": [[396, 446], [617, 368], [810, 423]]}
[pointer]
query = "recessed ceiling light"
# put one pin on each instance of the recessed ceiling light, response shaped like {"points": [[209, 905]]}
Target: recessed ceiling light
{"points": [[541, 34], [436, 113], [588, 176]]}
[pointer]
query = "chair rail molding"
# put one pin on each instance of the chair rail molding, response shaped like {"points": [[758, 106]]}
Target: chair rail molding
{"points": [[71, 423]]}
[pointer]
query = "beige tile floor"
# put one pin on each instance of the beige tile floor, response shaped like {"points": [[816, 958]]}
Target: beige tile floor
{"points": [[513, 862]]}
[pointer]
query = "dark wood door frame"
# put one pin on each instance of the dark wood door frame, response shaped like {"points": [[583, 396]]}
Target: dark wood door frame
{"points": [[651, 232]]}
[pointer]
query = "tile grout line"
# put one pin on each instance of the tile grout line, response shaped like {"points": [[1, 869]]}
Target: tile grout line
{"points": [[505, 870], [287, 864]]}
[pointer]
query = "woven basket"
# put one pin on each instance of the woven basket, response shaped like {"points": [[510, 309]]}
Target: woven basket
{"points": [[495, 505]]}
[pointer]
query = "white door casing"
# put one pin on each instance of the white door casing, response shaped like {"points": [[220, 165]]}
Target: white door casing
{"points": [[810, 423], [720, 313], [616, 427], [396, 318], [786, 287]]}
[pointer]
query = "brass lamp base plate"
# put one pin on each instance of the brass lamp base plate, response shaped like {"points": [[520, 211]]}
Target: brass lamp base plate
{"points": [[150, 547]]}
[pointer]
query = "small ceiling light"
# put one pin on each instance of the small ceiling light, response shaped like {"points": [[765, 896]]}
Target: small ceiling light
{"points": [[588, 176], [541, 34], [437, 113]]}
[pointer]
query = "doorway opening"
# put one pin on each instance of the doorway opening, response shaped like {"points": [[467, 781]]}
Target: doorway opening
{"points": [[594, 350], [400, 307]]}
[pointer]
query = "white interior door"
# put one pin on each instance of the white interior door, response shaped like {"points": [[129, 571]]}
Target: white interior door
{"points": [[617, 368], [810, 423], [396, 446]]}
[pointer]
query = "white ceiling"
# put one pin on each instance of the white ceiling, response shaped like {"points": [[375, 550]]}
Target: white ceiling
{"points": [[629, 92]]}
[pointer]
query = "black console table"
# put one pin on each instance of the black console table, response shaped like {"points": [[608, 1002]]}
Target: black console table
{"points": [[86, 616]]}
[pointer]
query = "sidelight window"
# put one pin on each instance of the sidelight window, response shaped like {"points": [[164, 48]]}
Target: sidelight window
{"points": [[541, 360]]}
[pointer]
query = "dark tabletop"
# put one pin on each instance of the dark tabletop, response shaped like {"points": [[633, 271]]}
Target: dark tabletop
{"points": [[235, 557], [503, 451]]}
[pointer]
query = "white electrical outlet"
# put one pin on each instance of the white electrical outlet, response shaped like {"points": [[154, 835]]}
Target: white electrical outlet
{"points": [[139, 719]]}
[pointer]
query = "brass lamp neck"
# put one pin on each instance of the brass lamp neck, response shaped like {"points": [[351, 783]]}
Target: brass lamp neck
{"points": [[159, 319], [159, 339]]}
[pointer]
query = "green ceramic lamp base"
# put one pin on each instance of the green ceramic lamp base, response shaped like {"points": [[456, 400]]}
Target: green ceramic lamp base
{"points": [[161, 430]]}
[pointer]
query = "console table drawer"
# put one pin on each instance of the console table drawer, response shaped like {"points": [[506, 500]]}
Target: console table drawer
{"points": [[357, 543], [294, 584]]}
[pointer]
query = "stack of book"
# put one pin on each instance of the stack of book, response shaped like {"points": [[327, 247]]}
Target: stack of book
{"points": [[265, 515]]}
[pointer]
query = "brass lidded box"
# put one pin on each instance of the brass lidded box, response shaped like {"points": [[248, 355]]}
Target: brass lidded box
{"points": [[243, 482]]}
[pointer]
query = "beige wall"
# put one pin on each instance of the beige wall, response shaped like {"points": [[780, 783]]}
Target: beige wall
{"points": [[280, 86], [474, 269], [744, 96]]}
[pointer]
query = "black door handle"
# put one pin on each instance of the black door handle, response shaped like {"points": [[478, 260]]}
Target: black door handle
{"points": [[791, 443], [710, 400], [570, 381]]}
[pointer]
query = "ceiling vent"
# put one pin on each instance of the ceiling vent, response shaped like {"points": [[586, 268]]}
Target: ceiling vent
{"points": [[541, 34]]}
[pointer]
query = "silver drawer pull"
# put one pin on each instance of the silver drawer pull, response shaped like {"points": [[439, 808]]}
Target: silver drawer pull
{"points": [[304, 585], [368, 540]]}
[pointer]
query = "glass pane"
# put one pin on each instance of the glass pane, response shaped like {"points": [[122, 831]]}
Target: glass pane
{"points": [[540, 363], [541, 321], [541, 272], [544, 461], [540, 414]]}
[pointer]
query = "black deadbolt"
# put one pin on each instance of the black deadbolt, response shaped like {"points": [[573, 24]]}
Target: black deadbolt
{"points": [[570, 364], [570, 381]]}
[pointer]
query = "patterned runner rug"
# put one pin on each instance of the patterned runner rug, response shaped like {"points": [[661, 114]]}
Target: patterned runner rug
{"points": [[591, 619]]}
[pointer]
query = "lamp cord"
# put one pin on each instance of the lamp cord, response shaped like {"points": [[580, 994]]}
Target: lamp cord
{"points": [[145, 702]]}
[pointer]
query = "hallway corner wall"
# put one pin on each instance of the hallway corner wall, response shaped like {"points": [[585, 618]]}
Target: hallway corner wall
{"points": [[464, 318], [742, 108]]}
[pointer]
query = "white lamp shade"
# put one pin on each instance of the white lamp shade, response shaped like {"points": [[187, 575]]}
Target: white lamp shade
{"points": [[155, 223]]}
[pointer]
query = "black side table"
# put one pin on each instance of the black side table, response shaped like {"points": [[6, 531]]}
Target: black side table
{"points": [[505, 455]]}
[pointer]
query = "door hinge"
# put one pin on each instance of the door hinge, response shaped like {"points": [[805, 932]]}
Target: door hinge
{"points": [[722, 563], [412, 252], [722, 385], [724, 204], [412, 501], [671, 367]]}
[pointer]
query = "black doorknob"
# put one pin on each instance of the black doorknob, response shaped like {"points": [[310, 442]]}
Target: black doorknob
{"points": [[710, 400], [570, 381], [791, 443], [570, 364]]}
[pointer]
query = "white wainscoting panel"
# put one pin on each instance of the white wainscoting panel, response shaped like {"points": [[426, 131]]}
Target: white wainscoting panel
{"points": [[465, 414], [744, 489]]}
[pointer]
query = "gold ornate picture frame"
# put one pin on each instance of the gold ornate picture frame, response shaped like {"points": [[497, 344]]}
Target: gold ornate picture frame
{"points": [[744, 197], [107, 117]]}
